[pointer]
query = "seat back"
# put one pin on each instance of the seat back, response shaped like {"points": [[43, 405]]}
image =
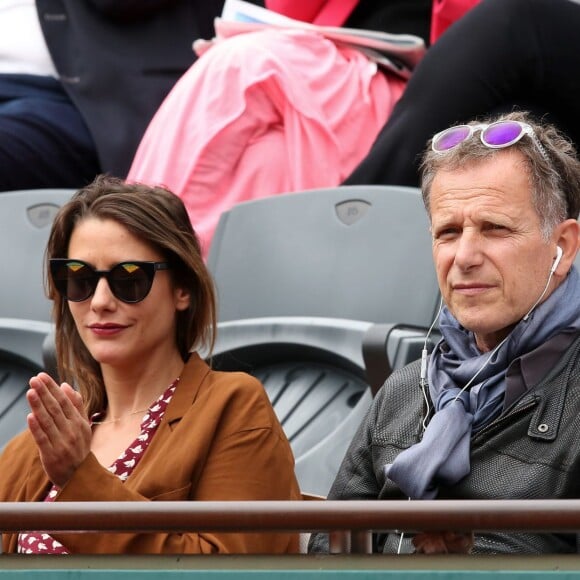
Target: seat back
{"points": [[354, 252], [20, 358], [311, 368], [25, 220], [301, 279]]}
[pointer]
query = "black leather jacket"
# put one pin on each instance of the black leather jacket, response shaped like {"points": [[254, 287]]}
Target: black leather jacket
{"points": [[531, 451]]}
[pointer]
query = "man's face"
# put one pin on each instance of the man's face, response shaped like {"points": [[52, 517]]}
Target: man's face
{"points": [[491, 259]]}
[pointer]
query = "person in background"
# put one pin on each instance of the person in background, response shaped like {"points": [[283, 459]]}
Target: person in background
{"points": [[275, 110], [150, 421], [493, 413], [80, 80], [392, 16], [502, 55]]}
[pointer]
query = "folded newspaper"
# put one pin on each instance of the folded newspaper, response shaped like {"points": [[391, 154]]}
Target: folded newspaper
{"points": [[398, 53]]}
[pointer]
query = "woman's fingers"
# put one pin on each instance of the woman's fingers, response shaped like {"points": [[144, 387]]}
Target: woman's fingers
{"points": [[54, 399], [59, 426], [75, 398]]}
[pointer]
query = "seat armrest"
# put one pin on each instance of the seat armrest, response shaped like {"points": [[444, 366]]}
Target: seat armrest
{"points": [[375, 356], [389, 346]]}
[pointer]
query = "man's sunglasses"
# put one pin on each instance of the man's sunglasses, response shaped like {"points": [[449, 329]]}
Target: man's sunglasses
{"points": [[128, 281], [495, 136]]}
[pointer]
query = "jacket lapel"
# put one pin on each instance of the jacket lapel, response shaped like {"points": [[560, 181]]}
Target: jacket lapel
{"points": [[194, 373]]}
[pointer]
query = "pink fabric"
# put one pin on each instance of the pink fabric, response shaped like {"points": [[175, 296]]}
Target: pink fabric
{"points": [[321, 12], [262, 113], [123, 466]]}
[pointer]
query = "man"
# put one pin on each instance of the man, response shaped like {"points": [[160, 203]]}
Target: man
{"points": [[81, 79], [498, 395]]}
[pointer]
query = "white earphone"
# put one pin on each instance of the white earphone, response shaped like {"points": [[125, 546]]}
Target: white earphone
{"points": [[559, 254]]}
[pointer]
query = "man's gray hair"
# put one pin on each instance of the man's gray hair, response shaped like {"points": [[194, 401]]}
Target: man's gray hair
{"points": [[553, 167]]}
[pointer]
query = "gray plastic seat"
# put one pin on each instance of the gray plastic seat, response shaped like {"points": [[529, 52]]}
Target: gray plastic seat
{"points": [[317, 378], [25, 220], [310, 368], [356, 252], [20, 358], [301, 280]]}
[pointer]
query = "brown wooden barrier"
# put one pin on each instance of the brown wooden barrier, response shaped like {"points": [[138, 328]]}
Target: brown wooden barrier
{"points": [[349, 522]]}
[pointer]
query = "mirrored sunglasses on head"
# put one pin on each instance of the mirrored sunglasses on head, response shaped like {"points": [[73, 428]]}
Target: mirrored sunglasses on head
{"points": [[129, 281], [495, 135]]}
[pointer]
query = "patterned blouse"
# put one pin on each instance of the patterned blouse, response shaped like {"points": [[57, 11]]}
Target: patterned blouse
{"points": [[123, 466]]}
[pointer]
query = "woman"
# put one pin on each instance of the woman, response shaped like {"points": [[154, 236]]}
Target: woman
{"points": [[150, 420]]}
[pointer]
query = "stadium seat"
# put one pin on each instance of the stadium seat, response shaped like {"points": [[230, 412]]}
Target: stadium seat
{"points": [[20, 358], [312, 370], [355, 252], [25, 220], [304, 280]]}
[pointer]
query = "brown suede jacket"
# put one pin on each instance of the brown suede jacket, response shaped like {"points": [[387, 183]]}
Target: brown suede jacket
{"points": [[219, 440]]}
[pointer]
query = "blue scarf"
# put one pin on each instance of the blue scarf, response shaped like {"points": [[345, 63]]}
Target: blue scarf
{"points": [[442, 456]]}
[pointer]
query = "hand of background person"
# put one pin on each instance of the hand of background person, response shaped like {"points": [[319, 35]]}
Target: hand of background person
{"points": [[201, 45], [443, 543], [59, 426]]}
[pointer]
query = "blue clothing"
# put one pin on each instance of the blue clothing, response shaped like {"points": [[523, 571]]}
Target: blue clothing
{"points": [[44, 141]]}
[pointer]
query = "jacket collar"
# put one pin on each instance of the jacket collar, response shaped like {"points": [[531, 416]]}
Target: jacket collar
{"points": [[194, 373]]}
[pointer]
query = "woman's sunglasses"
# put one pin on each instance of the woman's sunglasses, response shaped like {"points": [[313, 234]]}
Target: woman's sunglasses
{"points": [[128, 281], [495, 135]]}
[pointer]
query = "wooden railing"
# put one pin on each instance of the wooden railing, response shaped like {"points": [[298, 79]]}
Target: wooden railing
{"points": [[350, 523]]}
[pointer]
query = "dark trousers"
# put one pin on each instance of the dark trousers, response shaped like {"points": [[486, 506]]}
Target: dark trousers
{"points": [[503, 54], [44, 141]]}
